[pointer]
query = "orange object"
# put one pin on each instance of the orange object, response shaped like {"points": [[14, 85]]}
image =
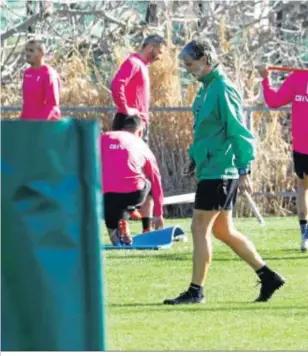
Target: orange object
{"points": [[287, 69], [135, 215]]}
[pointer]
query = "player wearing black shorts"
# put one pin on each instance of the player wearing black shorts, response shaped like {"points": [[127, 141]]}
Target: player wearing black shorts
{"points": [[222, 151], [131, 180]]}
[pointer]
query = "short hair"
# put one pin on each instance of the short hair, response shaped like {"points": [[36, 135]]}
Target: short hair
{"points": [[199, 48], [132, 122], [154, 40], [39, 43]]}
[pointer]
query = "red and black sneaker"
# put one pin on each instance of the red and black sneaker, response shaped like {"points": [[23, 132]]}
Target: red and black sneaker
{"points": [[124, 233]]}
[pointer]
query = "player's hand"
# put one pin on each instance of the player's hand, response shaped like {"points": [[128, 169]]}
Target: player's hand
{"points": [[245, 184], [189, 171], [158, 222], [133, 112], [263, 71]]}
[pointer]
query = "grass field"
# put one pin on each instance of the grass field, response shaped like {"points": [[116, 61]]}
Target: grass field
{"points": [[138, 281]]}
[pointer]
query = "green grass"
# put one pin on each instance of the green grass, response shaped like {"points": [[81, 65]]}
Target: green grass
{"points": [[138, 281]]}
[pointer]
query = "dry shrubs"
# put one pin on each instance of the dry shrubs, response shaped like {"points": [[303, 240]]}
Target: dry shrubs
{"points": [[171, 131]]}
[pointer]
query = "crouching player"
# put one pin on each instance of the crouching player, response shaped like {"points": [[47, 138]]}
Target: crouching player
{"points": [[131, 179]]}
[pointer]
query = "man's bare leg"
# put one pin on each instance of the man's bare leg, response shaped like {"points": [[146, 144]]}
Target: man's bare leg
{"points": [[202, 223], [224, 230]]}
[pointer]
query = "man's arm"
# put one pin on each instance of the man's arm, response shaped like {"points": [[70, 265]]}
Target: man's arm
{"points": [[276, 98], [126, 72], [282, 96], [152, 173], [241, 138], [52, 97]]}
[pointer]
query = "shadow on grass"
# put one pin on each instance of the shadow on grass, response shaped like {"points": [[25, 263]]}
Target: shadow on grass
{"points": [[139, 307], [187, 256], [267, 258]]}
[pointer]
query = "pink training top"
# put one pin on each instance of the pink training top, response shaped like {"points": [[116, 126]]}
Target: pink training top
{"points": [[294, 90], [127, 162], [40, 90], [130, 87]]}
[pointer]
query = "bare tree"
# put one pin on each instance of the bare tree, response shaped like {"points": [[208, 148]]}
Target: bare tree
{"points": [[242, 31]]}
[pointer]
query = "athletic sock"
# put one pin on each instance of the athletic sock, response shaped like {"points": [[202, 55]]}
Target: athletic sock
{"points": [[195, 290], [304, 228], [265, 272], [146, 223]]}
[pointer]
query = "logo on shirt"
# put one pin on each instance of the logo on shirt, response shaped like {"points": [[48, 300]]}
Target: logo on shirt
{"points": [[301, 98], [114, 146]]}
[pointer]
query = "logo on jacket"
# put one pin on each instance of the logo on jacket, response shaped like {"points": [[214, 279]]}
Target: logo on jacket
{"points": [[301, 98], [114, 146]]}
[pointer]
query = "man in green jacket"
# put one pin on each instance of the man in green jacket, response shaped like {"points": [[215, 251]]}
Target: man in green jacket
{"points": [[222, 151]]}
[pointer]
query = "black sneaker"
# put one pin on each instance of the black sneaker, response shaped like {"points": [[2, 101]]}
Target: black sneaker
{"points": [[185, 298], [269, 286]]}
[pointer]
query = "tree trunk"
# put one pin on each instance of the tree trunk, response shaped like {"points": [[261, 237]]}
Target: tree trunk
{"points": [[30, 11]]}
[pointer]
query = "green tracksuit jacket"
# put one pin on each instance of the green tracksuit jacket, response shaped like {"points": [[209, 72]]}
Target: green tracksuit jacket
{"points": [[221, 143]]}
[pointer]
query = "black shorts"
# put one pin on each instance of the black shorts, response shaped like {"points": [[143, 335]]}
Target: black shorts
{"points": [[216, 194], [117, 206], [117, 125], [300, 164]]}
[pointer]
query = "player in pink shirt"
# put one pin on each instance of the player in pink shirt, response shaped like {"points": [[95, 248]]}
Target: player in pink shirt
{"points": [[131, 179], [294, 90], [40, 87], [130, 86]]}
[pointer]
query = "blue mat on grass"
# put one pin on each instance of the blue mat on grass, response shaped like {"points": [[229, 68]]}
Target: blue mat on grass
{"points": [[154, 240]]}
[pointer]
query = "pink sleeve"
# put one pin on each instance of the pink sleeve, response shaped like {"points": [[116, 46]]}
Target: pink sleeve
{"points": [[52, 94], [276, 98], [152, 173], [126, 72], [22, 94]]}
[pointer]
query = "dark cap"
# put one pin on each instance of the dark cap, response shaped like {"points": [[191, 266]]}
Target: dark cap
{"points": [[130, 122]]}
